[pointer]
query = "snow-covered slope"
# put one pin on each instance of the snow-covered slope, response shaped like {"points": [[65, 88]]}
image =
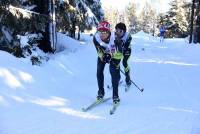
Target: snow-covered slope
{"points": [[47, 99]]}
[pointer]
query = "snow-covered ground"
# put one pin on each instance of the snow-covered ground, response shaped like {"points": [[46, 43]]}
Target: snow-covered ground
{"points": [[47, 99]]}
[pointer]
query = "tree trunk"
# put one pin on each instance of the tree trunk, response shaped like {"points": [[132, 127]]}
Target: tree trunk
{"points": [[44, 8], [52, 25], [79, 33], [73, 27], [192, 19], [198, 22]]}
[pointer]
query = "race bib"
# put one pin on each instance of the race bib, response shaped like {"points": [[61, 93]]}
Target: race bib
{"points": [[112, 49]]}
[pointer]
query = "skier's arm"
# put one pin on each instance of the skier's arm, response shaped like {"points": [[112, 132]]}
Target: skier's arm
{"points": [[127, 44], [100, 50]]}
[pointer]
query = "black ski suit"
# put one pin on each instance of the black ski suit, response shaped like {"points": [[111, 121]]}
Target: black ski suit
{"points": [[126, 54]]}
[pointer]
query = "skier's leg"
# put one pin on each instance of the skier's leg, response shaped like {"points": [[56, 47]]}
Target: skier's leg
{"points": [[115, 76], [163, 37], [100, 77], [126, 68]]}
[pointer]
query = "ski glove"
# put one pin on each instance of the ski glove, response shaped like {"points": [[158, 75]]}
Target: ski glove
{"points": [[106, 57]]}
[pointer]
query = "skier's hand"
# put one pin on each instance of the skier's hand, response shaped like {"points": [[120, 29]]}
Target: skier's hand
{"points": [[107, 58]]}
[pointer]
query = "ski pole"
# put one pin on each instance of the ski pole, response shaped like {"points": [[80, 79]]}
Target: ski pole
{"points": [[141, 89]]}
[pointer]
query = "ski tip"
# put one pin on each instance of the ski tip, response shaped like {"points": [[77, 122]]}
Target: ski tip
{"points": [[142, 89]]}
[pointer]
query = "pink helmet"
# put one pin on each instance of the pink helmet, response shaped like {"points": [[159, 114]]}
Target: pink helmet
{"points": [[103, 26]]}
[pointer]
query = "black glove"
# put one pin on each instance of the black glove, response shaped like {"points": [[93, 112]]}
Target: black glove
{"points": [[107, 58]]}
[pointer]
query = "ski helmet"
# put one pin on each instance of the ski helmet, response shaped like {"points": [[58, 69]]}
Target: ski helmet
{"points": [[103, 26]]}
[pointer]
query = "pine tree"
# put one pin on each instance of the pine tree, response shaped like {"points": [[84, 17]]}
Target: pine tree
{"points": [[115, 17], [112, 16], [153, 21], [108, 12], [96, 8], [192, 21], [177, 19], [17, 20], [148, 19], [197, 22], [131, 18]]}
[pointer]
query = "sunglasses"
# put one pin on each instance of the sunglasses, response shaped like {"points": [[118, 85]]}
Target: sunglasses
{"points": [[103, 32]]}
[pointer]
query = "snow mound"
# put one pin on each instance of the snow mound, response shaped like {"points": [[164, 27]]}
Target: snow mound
{"points": [[66, 43], [142, 34]]}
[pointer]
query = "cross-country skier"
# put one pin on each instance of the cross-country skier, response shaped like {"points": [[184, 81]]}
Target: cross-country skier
{"points": [[125, 37], [162, 32], [109, 51]]}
